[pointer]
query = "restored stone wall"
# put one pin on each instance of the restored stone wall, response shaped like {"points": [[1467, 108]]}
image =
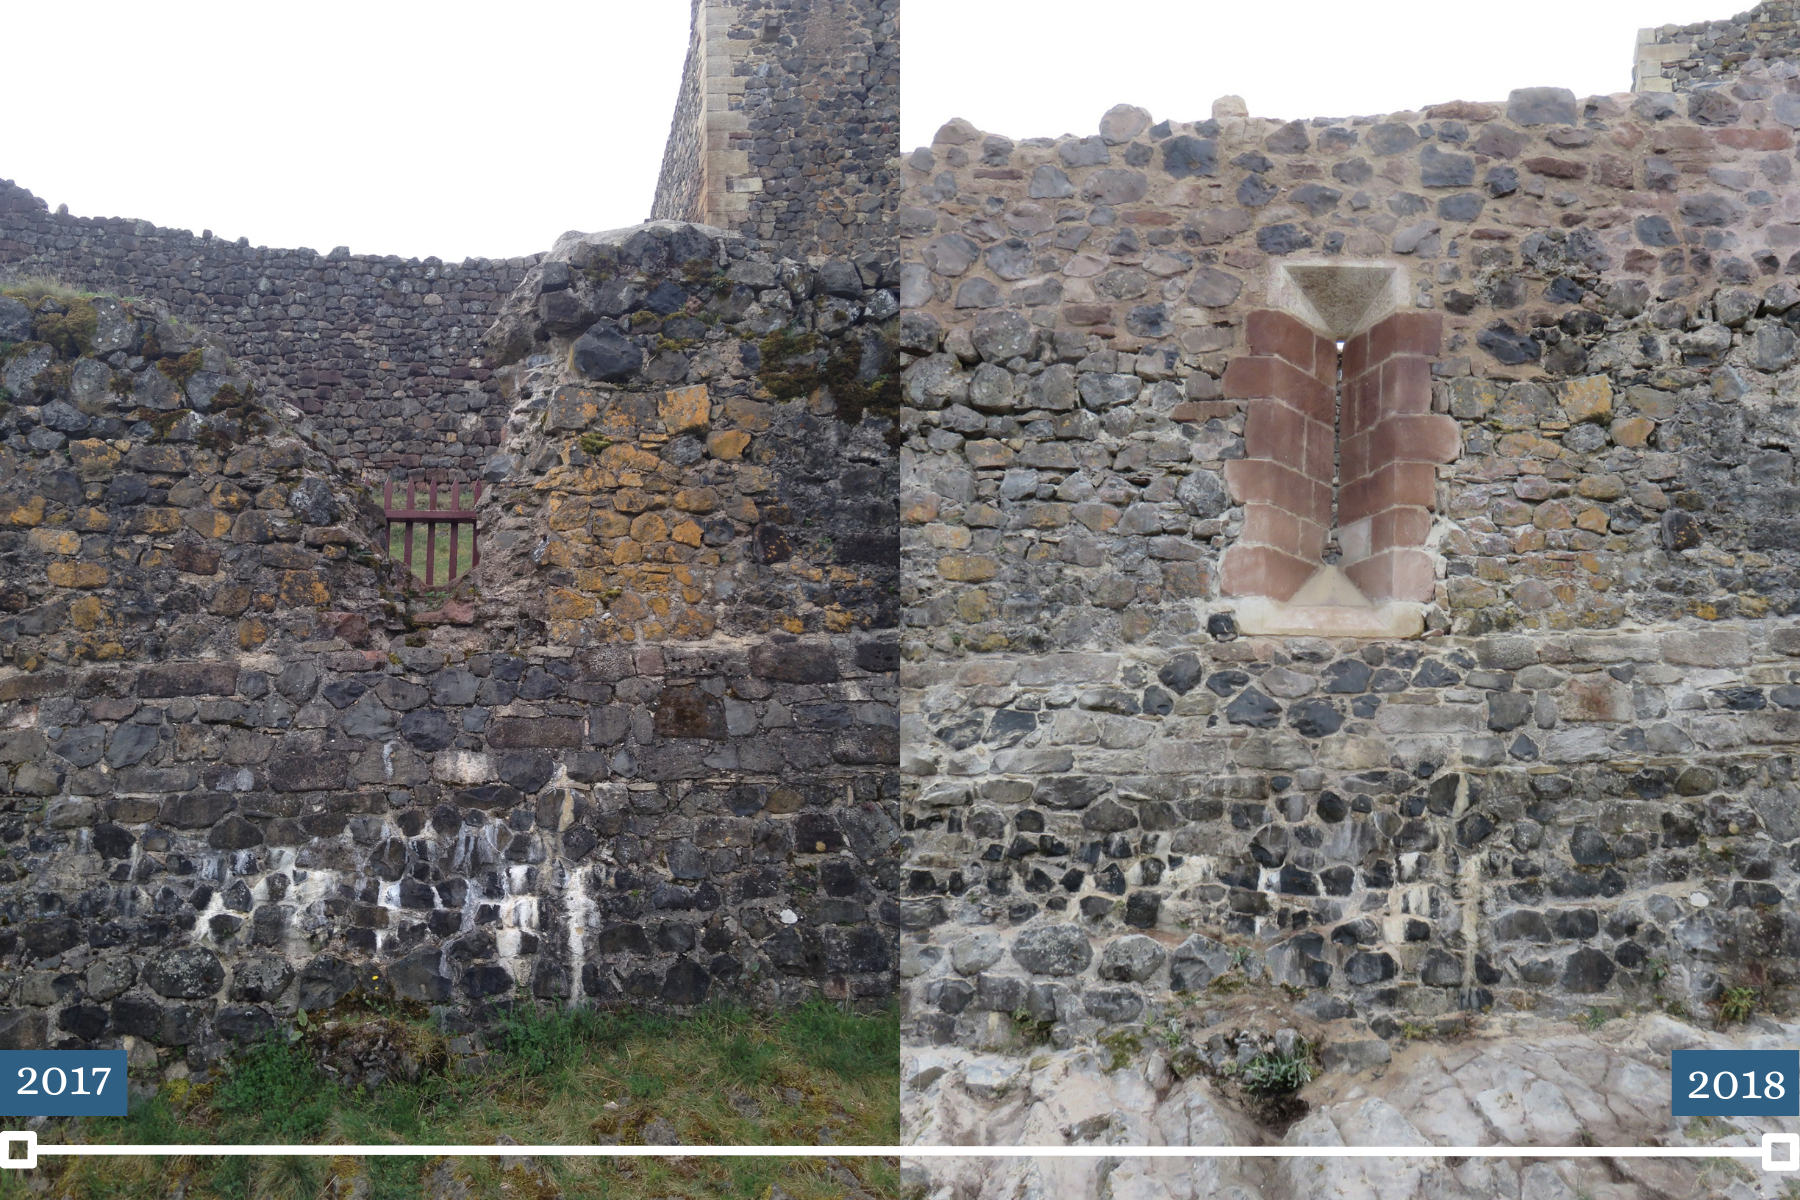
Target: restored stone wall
{"points": [[382, 353], [1575, 789], [787, 126], [644, 754]]}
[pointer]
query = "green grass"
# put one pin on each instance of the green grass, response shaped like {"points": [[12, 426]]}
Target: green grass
{"points": [[33, 288], [440, 571], [722, 1076]]}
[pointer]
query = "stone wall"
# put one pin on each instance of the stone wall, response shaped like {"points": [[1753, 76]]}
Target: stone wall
{"points": [[1575, 788], [382, 353], [787, 125], [681, 193], [1683, 58], [642, 755]]}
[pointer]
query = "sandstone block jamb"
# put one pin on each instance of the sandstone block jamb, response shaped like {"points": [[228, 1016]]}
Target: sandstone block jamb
{"points": [[1373, 449]]}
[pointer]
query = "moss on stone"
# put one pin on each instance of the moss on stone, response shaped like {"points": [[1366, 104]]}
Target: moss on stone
{"points": [[794, 366], [181, 369], [71, 332]]}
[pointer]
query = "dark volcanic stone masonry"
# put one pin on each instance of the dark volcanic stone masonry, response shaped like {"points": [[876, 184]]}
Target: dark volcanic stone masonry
{"points": [[787, 125], [644, 754], [380, 353]]}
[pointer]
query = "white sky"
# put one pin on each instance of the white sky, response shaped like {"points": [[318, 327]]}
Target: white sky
{"points": [[1040, 68], [450, 128]]}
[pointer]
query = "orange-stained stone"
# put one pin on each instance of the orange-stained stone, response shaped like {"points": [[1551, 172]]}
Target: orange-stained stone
{"points": [[77, 574], [565, 605], [685, 410], [728, 445], [87, 613], [54, 541]]}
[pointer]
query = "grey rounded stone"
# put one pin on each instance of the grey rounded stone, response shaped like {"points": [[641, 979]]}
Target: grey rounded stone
{"points": [[1113, 1005], [1003, 334], [1088, 152], [1197, 962], [991, 388], [1542, 106], [1187, 155], [1049, 183], [1213, 288], [951, 254], [1203, 494], [975, 953], [1115, 186], [1123, 122], [1391, 138], [1131, 959], [1053, 950], [185, 973], [15, 320], [1010, 259], [1587, 971], [978, 293], [1585, 438]]}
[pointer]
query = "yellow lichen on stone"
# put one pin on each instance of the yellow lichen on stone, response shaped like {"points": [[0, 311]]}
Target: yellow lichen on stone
{"points": [[685, 410], [87, 613], [155, 521], [301, 588], [24, 514], [77, 574], [562, 604], [729, 445], [1588, 399], [55, 541], [650, 528], [93, 459], [629, 458], [207, 523]]}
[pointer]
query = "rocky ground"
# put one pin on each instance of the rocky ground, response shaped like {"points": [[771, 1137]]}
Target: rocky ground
{"points": [[1507, 1083]]}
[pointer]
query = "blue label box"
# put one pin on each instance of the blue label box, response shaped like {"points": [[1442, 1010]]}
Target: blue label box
{"points": [[62, 1083], [1736, 1083]]}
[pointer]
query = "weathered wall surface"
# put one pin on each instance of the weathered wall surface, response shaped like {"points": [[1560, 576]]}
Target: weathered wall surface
{"points": [[787, 125], [1518, 1082], [681, 184], [644, 755], [382, 353], [1575, 789], [1684, 58]]}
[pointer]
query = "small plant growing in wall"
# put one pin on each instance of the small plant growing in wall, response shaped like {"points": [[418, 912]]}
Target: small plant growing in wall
{"points": [[593, 443], [1274, 1073], [1737, 1004], [1031, 1031]]}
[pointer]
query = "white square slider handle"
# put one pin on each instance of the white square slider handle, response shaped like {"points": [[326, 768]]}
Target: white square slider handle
{"points": [[10, 1140]]}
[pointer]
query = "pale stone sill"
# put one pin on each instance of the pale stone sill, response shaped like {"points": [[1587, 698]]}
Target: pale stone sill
{"points": [[1259, 615]]}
